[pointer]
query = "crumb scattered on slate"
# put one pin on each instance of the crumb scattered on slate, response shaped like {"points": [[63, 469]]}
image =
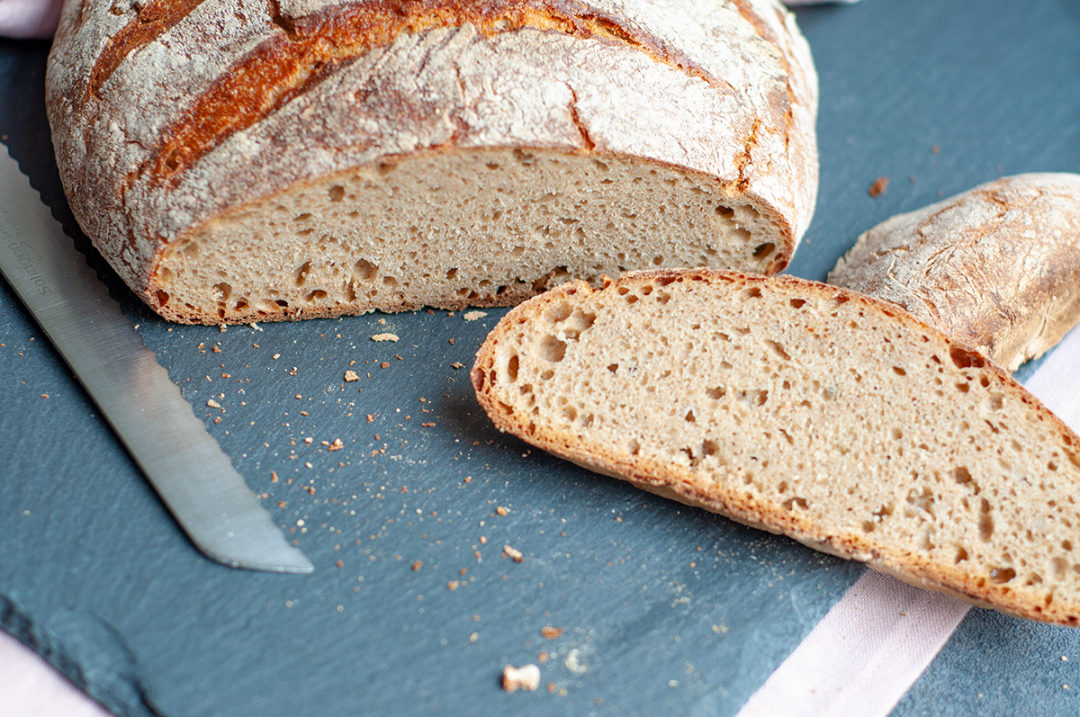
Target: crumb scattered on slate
{"points": [[879, 186], [385, 337], [521, 678]]}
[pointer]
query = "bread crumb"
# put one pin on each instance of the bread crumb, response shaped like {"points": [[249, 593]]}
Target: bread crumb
{"points": [[452, 585], [474, 637], [550, 632], [417, 565], [337, 445], [474, 315], [385, 337], [308, 440], [212, 403], [456, 365], [521, 678], [879, 186], [542, 658], [351, 376], [513, 553], [273, 477], [384, 364], [44, 395], [501, 510]]}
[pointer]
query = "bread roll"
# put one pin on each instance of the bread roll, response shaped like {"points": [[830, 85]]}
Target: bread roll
{"points": [[808, 410], [997, 267], [282, 159]]}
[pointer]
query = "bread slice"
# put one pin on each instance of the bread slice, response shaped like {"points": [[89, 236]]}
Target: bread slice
{"points": [[253, 160], [996, 267], [808, 410]]}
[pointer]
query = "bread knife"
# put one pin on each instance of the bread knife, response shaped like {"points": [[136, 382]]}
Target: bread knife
{"points": [[187, 468]]}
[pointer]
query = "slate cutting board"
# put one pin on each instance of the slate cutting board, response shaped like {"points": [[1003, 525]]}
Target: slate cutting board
{"points": [[663, 609]]}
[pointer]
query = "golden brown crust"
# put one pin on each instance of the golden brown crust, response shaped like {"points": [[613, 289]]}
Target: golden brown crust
{"points": [[238, 103], [997, 267], [690, 486]]}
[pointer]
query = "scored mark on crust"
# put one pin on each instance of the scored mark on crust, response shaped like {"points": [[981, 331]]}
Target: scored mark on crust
{"points": [[152, 20], [311, 47]]}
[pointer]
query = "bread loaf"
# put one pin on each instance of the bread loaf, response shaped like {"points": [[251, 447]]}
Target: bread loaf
{"points": [[997, 267], [808, 410], [281, 159]]}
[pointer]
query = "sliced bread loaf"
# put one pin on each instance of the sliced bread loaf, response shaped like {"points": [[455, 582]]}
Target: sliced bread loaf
{"points": [[997, 267], [808, 410], [255, 160]]}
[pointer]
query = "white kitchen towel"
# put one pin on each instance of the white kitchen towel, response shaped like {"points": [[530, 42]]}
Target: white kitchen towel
{"points": [[866, 653], [27, 19], [30, 687]]}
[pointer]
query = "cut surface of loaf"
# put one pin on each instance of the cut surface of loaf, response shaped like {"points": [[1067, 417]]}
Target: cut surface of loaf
{"points": [[262, 161], [808, 410], [346, 242], [996, 267]]}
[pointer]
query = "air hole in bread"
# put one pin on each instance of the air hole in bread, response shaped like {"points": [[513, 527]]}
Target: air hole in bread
{"points": [[512, 368], [613, 367], [777, 349], [753, 397], [797, 303], [1002, 575], [764, 250], [552, 349], [986, 523], [316, 295], [965, 358], [899, 371], [224, 291], [961, 475]]}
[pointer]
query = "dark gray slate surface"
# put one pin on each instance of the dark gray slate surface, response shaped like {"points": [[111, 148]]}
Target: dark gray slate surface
{"points": [[665, 610]]}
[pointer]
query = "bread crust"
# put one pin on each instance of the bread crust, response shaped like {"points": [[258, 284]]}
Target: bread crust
{"points": [[684, 484], [996, 267], [170, 114]]}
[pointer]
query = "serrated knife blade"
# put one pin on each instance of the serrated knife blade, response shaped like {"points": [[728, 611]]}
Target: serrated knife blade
{"points": [[187, 468]]}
